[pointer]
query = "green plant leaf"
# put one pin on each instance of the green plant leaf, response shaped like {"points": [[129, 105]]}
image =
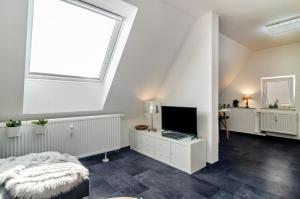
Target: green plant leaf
{"points": [[40, 122], [13, 123]]}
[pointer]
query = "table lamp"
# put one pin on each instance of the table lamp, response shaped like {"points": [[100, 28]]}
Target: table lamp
{"points": [[247, 98], [151, 109]]}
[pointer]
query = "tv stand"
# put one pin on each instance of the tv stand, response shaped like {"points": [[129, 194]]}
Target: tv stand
{"points": [[184, 154]]}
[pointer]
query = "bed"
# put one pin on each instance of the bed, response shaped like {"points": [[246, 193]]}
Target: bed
{"points": [[43, 175], [77, 193]]}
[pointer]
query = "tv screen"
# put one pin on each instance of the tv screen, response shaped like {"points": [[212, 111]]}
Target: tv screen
{"points": [[179, 119]]}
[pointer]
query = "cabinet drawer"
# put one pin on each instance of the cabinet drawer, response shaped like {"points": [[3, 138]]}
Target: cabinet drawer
{"points": [[162, 150], [148, 150], [147, 140], [162, 145], [142, 143], [141, 139]]}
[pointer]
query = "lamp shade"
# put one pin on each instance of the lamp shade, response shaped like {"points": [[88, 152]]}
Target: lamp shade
{"points": [[247, 97], [152, 107]]}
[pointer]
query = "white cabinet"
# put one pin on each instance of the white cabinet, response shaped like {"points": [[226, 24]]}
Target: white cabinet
{"points": [[243, 120], [277, 121], [186, 154]]}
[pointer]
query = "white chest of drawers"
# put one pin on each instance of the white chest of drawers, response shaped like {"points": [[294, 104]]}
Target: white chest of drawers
{"points": [[185, 154]]}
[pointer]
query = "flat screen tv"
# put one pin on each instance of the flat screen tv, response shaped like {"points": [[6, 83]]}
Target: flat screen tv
{"points": [[179, 119]]}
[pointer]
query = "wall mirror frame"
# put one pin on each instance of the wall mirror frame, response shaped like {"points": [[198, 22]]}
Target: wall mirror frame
{"points": [[281, 88]]}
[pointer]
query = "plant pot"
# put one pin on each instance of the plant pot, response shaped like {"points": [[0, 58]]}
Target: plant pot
{"points": [[235, 103], [39, 130], [12, 132]]}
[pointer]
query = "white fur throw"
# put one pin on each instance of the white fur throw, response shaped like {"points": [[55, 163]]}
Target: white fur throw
{"points": [[43, 175]]}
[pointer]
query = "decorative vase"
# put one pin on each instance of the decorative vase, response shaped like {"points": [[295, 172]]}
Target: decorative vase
{"points": [[12, 132], [39, 129], [235, 103]]}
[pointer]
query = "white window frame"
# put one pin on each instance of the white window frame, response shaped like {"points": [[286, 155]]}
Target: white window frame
{"points": [[109, 52], [291, 79]]}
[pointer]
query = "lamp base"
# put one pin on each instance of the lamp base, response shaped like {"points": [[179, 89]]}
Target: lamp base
{"points": [[247, 104]]}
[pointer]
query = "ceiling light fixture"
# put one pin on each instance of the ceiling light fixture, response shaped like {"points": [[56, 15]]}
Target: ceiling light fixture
{"points": [[284, 26]]}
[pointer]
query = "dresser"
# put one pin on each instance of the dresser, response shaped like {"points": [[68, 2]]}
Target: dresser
{"points": [[186, 154]]}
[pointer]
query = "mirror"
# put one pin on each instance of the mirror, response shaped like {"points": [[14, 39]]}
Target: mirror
{"points": [[278, 88]]}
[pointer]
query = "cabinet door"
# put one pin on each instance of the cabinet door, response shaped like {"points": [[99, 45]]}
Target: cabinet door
{"points": [[241, 120], [180, 156], [162, 150], [139, 142], [148, 145]]}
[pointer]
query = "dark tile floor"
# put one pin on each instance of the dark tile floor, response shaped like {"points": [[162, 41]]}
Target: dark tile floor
{"points": [[249, 167]]}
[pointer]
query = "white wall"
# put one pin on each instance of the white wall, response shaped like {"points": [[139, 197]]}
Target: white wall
{"points": [[279, 61], [193, 79], [50, 96], [126, 125], [233, 56]]}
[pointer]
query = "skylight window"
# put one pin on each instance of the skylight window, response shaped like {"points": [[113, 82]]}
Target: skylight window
{"points": [[70, 40]]}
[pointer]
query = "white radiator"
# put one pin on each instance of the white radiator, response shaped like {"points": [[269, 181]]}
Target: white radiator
{"points": [[277, 122], [80, 136]]}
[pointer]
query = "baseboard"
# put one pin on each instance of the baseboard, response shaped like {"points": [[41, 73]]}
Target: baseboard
{"points": [[126, 148], [266, 136]]}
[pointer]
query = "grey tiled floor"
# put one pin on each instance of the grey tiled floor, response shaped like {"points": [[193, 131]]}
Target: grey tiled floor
{"points": [[249, 167]]}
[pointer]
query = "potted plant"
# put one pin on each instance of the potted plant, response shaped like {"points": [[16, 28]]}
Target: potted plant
{"points": [[40, 126], [276, 104], [13, 128], [235, 103]]}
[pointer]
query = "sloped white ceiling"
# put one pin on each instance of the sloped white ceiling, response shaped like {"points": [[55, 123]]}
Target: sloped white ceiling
{"points": [[244, 20], [155, 39]]}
